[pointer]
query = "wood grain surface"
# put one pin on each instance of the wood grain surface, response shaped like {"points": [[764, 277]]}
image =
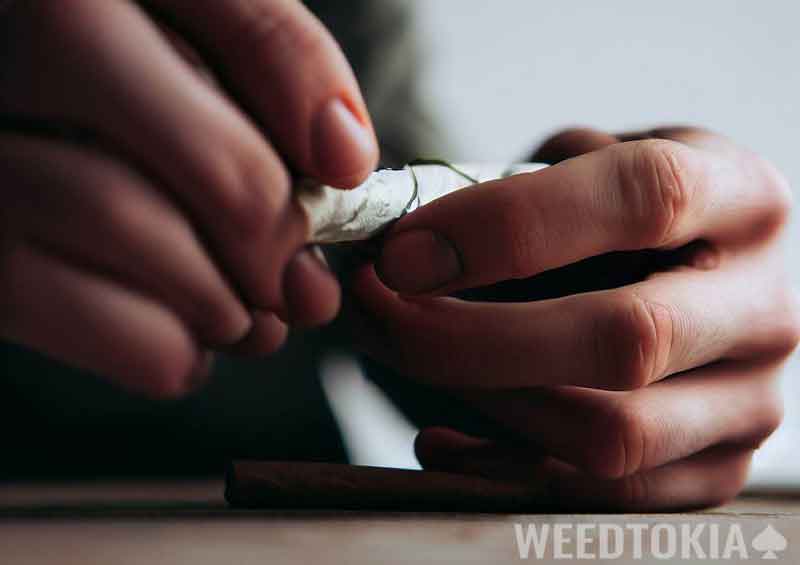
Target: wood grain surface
{"points": [[188, 522]]}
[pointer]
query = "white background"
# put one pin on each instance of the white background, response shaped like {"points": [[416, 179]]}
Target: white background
{"points": [[502, 75]]}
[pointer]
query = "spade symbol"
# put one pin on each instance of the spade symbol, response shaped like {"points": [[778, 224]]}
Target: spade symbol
{"points": [[770, 540]]}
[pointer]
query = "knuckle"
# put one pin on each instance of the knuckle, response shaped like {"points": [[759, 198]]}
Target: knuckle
{"points": [[769, 417], [789, 335], [517, 223], [730, 483], [636, 342], [793, 330], [242, 200], [772, 412], [206, 302], [657, 183], [777, 195]]}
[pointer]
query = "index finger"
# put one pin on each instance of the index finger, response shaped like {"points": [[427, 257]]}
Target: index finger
{"points": [[629, 196], [290, 74]]}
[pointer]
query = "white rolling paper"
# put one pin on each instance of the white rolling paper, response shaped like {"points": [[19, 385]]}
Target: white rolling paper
{"points": [[351, 215]]}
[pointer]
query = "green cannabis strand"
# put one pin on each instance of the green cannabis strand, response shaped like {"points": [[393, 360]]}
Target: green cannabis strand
{"points": [[442, 163]]}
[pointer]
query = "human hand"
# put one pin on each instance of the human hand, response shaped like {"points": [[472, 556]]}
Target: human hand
{"points": [[146, 216], [649, 395]]}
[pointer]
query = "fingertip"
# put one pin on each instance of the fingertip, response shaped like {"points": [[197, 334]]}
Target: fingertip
{"points": [[173, 375], [437, 446], [267, 335], [369, 290], [312, 292]]}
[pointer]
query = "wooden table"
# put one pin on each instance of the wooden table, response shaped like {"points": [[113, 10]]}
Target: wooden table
{"points": [[188, 522]]}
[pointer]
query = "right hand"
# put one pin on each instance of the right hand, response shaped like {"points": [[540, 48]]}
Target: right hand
{"points": [[165, 228]]}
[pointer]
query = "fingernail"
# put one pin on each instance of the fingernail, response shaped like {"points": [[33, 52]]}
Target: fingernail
{"points": [[344, 147], [417, 261]]}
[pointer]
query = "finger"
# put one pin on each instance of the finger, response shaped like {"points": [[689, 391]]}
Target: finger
{"points": [[689, 135], [288, 70], [87, 321], [105, 215], [577, 141], [310, 305], [708, 478], [141, 96], [571, 143], [629, 196], [618, 339], [616, 434], [445, 449], [267, 334]]}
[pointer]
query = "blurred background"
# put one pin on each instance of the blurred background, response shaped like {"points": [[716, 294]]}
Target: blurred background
{"points": [[499, 77]]}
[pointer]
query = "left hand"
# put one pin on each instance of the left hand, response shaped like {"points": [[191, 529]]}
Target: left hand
{"points": [[648, 395]]}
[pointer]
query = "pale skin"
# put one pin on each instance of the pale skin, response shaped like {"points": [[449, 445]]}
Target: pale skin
{"points": [[147, 217], [652, 395], [165, 229]]}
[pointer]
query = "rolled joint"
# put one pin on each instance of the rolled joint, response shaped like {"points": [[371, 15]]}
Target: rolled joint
{"points": [[336, 216]]}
